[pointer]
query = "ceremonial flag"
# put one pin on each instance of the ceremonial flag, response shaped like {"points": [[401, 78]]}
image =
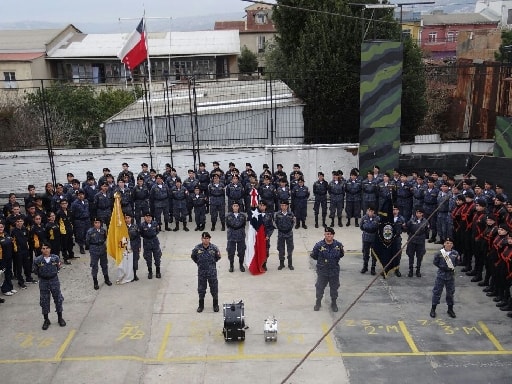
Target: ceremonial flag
{"points": [[256, 251], [385, 246], [135, 50], [116, 231]]}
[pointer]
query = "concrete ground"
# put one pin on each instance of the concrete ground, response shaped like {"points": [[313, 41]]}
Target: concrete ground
{"points": [[149, 331]]}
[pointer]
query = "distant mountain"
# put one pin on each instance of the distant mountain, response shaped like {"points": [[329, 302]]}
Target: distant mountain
{"points": [[183, 24]]}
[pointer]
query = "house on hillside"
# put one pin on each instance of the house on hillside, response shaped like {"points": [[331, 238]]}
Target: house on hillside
{"points": [[256, 31], [440, 31], [23, 55], [92, 58], [500, 10]]}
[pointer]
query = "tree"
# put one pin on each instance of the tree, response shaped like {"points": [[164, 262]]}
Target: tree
{"points": [[505, 50], [317, 53], [247, 61], [75, 113]]}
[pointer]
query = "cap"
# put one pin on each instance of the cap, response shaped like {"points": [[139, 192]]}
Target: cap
{"points": [[81, 192], [265, 166], [320, 174], [125, 164], [106, 170], [490, 217], [448, 239], [354, 173], [284, 202], [201, 164], [205, 235], [420, 210], [148, 214], [144, 165], [460, 197], [280, 165], [431, 180], [215, 163], [500, 186], [470, 194], [231, 164], [504, 226], [248, 165], [419, 177], [385, 174], [64, 200], [97, 219], [88, 173], [500, 197], [69, 174], [296, 166], [330, 230], [90, 177], [140, 178], [481, 202]]}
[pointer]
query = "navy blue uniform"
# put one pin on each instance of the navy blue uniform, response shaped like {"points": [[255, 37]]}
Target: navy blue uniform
{"points": [[370, 190], [135, 243], [81, 220], [199, 204], [22, 257], [337, 196], [47, 271], [159, 200], [7, 248], [179, 203], [64, 222], [404, 198], [206, 259], [217, 198], [267, 193], [429, 206], [103, 202], [140, 196], [96, 242], [327, 258], [236, 236], [416, 244], [370, 227], [151, 244], [445, 276], [300, 196], [284, 223], [320, 189], [235, 193], [353, 199]]}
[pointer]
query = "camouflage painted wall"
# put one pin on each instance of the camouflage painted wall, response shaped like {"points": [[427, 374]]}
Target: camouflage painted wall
{"points": [[380, 103], [503, 134]]}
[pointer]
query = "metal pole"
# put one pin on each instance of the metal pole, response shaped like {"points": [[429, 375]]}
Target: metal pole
{"points": [[48, 132], [168, 116]]}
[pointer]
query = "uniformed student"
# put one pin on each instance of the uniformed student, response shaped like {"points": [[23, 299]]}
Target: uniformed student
{"points": [[369, 227], [96, 243], [199, 203], [149, 230], [327, 254], [46, 266], [217, 197], [235, 221], [417, 227], [284, 220], [206, 256], [445, 260], [320, 188], [135, 242], [63, 220]]}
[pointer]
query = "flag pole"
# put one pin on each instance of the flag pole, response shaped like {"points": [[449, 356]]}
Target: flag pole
{"points": [[150, 94]]}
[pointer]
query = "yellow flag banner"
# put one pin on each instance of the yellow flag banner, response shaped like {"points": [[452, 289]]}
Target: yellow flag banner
{"points": [[116, 231]]}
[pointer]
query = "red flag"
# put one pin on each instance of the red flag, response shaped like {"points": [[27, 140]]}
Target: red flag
{"points": [[256, 251], [135, 50]]}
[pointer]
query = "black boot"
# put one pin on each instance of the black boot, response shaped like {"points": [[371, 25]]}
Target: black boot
{"points": [[332, 222], [477, 278], [281, 264], [150, 273], [223, 226], [340, 224], [411, 273], [348, 223], [215, 304], [318, 304], [450, 312], [213, 227], [135, 278], [61, 321], [398, 273], [290, 263], [323, 222], [507, 307], [96, 285], [433, 311], [231, 266], [189, 217], [82, 250], [334, 307], [185, 226], [201, 306], [372, 271], [177, 227], [264, 266], [365, 268], [485, 281], [167, 226], [158, 274], [316, 221], [467, 268], [473, 272], [304, 224], [242, 268], [46, 323], [107, 280], [357, 222], [418, 272]]}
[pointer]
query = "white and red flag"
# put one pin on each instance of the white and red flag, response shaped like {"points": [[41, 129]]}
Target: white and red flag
{"points": [[256, 251], [135, 50]]}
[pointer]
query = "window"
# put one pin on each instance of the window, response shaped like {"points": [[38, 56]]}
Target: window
{"points": [[261, 44], [406, 34], [261, 17], [432, 37], [451, 36], [10, 80]]}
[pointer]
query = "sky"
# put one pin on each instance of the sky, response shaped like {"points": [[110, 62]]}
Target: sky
{"points": [[73, 11]]}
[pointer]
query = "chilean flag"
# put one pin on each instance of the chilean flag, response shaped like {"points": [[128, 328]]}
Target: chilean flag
{"points": [[256, 251], [134, 51]]}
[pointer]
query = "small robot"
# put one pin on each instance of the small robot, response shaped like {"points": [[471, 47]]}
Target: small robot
{"points": [[270, 329]]}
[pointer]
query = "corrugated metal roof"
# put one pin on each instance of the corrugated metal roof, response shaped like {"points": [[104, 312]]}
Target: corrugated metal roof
{"points": [[26, 40], [215, 97], [456, 18], [225, 42], [26, 56]]}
